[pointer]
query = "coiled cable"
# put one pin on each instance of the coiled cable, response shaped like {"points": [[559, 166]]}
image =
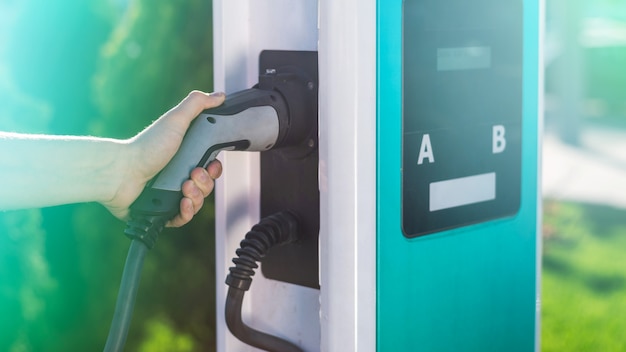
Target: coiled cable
{"points": [[271, 231]]}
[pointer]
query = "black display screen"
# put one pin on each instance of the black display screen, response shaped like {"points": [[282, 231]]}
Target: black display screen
{"points": [[462, 112]]}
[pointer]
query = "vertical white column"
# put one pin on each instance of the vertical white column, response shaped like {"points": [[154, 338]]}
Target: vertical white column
{"points": [[242, 29], [347, 61], [347, 170], [540, 114]]}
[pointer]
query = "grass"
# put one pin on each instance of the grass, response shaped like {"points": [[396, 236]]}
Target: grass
{"points": [[584, 278]]}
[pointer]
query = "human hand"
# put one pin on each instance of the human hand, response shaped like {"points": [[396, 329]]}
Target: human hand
{"points": [[150, 150]]}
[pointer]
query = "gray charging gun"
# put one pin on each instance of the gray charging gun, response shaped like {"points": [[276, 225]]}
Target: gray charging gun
{"points": [[249, 120], [257, 119]]}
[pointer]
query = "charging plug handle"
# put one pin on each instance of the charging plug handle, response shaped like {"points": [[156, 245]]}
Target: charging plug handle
{"points": [[248, 120], [268, 116]]}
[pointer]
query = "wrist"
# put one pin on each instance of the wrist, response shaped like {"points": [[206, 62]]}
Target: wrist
{"points": [[113, 168], [116, 175]]}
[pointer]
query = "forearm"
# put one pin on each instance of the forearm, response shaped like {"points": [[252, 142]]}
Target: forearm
{"points": [[38, 171]]}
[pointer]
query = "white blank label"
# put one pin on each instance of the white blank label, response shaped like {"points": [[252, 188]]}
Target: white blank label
{"points": [[462, 191]]}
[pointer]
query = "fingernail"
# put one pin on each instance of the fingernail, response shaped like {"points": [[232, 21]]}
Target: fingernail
{"points": [[217, 94]]}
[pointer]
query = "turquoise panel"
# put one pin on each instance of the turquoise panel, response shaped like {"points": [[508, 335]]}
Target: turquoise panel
{"points": [[468, 289]]}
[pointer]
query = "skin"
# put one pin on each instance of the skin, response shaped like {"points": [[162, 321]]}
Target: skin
{"points": [[42, 170]]}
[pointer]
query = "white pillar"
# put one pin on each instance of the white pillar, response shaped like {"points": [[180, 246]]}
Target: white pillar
{"points": [[342, 315], [242, 29], [347, 63]]}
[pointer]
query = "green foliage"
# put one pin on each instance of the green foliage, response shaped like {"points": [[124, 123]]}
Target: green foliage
{"points": [[25, 278], [155, 56], [20, 112], [160, 337], [606, 81], [102, 68], [584, 281], [597, 26]]}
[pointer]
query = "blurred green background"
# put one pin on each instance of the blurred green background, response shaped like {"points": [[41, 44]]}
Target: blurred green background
{"points": [[104, 68], [110, 67], [584, 177]]}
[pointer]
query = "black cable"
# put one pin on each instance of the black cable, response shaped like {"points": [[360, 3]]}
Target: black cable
{"points": [[273, 230], [144, 231], [126, 297], [247, 334]]}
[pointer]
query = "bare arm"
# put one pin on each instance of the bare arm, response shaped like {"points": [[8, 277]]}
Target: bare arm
{"points": [[43, 170]]}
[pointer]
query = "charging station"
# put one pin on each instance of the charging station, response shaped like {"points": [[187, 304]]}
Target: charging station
{"points": [[416, 188]]}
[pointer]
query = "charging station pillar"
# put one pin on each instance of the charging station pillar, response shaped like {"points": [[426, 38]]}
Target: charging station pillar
{"points": [[341, 315], [242, 29], [348, 254], [428, 173], [457, 175]]}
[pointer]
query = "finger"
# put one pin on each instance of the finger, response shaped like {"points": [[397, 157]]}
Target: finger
{"points": [[214, 169], [202, 180], [185, 215], [194, 193]]}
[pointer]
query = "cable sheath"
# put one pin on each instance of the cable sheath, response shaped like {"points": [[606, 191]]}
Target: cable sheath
{"points": [[126, 297], [274, 230], [252, 337]]}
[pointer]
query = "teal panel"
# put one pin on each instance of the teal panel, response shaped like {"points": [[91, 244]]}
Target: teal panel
{"points": [[468, 289]]}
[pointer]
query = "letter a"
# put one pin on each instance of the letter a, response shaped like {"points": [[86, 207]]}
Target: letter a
{"points": [[498, 140], [426, 151]]}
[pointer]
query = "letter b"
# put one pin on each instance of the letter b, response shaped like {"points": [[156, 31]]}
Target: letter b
{"points": [[498, 140]]}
